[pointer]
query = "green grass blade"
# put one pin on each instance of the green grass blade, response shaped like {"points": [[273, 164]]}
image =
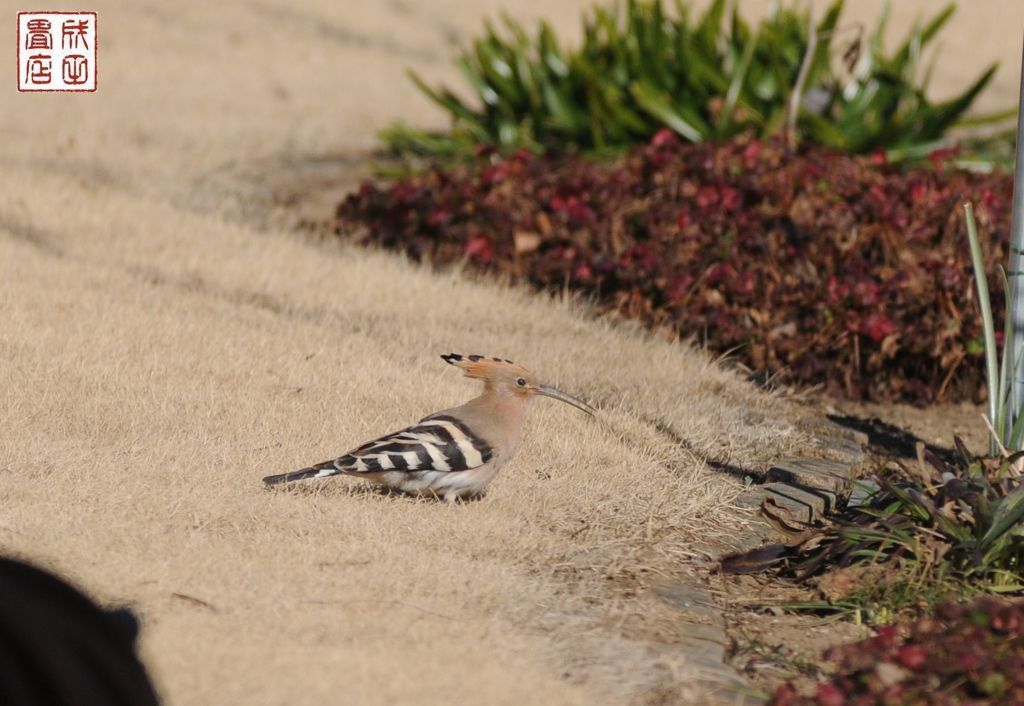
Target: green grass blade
{"points": [[994, 118], [550, 52], [939, 117], [1005, 514], [822, 56], [488, 96], [1005, 364], [561, 107], [739, 77], [446, 99], [658, 105], [710, 24], [878, 36], [1017, 432], [925, 35], [981, 282]]}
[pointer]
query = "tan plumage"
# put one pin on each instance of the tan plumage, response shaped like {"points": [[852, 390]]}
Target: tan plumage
{"points": [[454, 453]]}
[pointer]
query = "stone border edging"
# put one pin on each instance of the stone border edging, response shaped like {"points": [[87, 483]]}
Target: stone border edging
{"points": [[806, 486]]}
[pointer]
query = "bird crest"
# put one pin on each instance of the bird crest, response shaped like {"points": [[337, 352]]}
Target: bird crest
{"points": [[482, 367]]}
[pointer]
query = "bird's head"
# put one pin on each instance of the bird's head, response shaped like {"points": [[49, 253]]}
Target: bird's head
{"points": [[506, 377]]}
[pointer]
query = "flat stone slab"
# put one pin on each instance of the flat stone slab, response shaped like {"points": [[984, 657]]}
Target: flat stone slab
{"points": [[826, 428], [704, 644], [851, 450], [695, 632], [845, 443], [691, 599], [862, 491], [808, 488], [806, 503], [813, 472]]}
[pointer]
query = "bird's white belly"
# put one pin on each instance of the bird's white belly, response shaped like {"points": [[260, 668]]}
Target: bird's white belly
{"points": [[445, 484]]}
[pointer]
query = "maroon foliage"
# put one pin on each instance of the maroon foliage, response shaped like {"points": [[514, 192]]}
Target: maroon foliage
{"points": [[965, 654], [838, 271]]}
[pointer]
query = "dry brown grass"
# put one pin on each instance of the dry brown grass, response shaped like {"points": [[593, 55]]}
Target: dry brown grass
{"points": [[157, 362]]}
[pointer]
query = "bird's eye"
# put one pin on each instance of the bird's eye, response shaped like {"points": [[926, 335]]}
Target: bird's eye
{"points": [[521, 382]]}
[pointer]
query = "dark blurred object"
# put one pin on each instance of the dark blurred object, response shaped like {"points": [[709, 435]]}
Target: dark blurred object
{"points": [[58, 648]]}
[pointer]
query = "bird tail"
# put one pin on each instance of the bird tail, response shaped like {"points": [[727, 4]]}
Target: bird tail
{"points": [[320, 470]]}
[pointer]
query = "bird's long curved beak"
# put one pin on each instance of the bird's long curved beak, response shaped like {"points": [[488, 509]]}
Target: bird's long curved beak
{"points": [[549, 391]]}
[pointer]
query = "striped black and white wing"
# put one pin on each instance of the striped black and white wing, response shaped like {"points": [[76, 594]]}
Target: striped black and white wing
{"points": [[439, 443], [436, 443]]}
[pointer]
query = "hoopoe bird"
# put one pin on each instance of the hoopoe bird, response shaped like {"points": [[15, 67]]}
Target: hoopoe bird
{"points": [[453, 454]]}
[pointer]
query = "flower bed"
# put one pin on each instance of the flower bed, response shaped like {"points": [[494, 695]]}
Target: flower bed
{"points": [[831, 270]]}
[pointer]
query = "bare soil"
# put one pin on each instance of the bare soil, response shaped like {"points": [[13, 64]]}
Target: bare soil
{"points": [[895, 428]]}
